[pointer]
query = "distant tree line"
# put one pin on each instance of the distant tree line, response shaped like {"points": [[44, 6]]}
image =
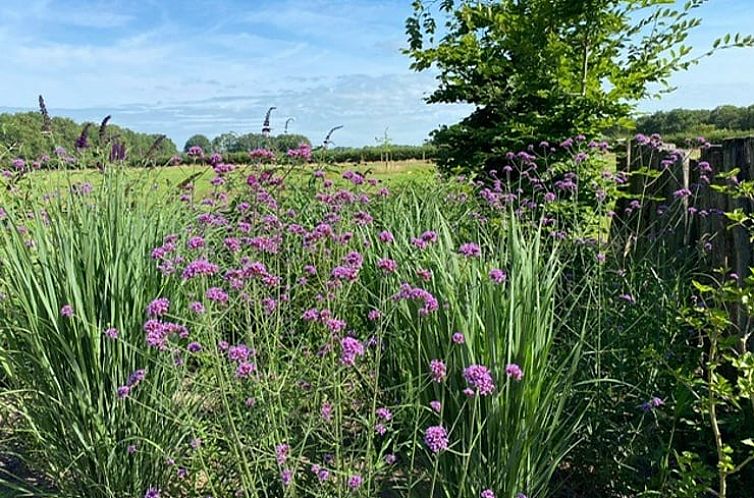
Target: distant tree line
{"points": [[22, 134], [230, 142], [692, 122]]}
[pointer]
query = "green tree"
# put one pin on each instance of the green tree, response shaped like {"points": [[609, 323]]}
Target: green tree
{"points": [[546, 69], [198, 140]]}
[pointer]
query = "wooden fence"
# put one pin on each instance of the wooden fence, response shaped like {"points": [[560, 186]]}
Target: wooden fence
{"points": [[669, 198]]}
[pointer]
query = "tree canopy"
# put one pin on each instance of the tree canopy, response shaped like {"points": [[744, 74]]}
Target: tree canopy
{"points": [[546, 69]]}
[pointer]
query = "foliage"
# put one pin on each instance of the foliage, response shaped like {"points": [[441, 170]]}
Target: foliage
{"points": [[197, 140], [21, 132], [546, 69]]}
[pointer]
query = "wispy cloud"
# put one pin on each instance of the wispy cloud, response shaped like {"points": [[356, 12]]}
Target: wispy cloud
{"points": [[216, 65]]}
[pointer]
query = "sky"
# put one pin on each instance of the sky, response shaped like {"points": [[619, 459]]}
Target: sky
{"points": [[182, 67]]}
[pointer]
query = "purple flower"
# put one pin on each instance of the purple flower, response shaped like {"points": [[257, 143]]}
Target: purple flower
{"points": [[470, 250], [158, 307], [436, 438], [281, 453], [131, 449], [326, 411], [514, 372], [123, 392], [350, 349], [197, 307], [355, 481], [152, 493], [498, 276], [436, 406], [217, 295], [384, 413], [386, 237], [458, 338], [136, 377], [487, 493], [198, 268], [628, 298], [67, 311], [387, 265], [111, 332], [245, 369], [286, 476], [390, 458], [438, 370], [194, 347], [479, 379]]}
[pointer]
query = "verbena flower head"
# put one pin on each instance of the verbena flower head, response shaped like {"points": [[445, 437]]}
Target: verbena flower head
{"points": [[66, 311], [281, 453], [384, 413], [498, 276], [479, 379], [487, 493], [436, 438], [152, 493], [350, 349], [438, 370], [458, 338], [514, 371], [217, 295], [111, 333], [436, 406], [355, 481], [470, 250], [158, 307]]}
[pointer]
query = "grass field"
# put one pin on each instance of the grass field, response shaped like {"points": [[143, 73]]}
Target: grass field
{"points": [[169, 178]]}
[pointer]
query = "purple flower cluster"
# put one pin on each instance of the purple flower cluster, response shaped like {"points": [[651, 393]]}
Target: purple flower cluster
{"points": [[479, 379]]}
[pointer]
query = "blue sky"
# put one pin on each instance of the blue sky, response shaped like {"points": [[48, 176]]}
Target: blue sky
{"points": [[208, 66]]}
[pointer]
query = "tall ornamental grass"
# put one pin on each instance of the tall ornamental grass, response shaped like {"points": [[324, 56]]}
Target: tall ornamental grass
{"points": [[77, 277]]}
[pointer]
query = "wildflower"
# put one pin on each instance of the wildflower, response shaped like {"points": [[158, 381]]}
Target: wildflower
{"points": [[479, 379], [194, 347], [458, 338], [436, 406], [385, 414], [355, 481], [514, 372], [387, 265], [470, 250], [436, 438], [487, 493], [424, 274], [286, 476], [195, 443], [323, 475], [386, 237], [390, 458], [217, 295], [498, 276], [326, 411], [197, 307], [158, 307], [111, 332], [438, 370], [131, 449], [200, 267], [67, 311], [136, 377], [245, 369], [351, 348], [152, 493], [250, 402], [380, 429], [238, 353], [374, 315], [281, 453], [123, 392]]}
